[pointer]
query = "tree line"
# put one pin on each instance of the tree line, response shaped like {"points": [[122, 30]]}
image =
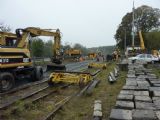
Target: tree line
{"points": [[40, 48]]}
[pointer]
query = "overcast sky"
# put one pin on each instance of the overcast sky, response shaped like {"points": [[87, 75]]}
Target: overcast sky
{"points": [[91, 23]]}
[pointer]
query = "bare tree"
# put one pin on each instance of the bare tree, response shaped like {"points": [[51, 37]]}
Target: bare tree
{"points": [[4, 28]]}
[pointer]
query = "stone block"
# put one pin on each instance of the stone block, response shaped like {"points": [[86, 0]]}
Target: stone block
{"points": [[156, 85], [97, 113], [124, 105], [142, 88], [143, 98], [127, 92], [154, 88], [130, 79], [141, 93], [131, 76], [143, 83], [131, 83], [127, 87], [143, 115], [156, 93], [125, 97], [144, 105], [120, 114], [158, 114], [156, 101]]}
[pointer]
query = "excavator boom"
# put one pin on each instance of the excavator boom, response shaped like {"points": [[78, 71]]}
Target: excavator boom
{"points": [[142, 46]]}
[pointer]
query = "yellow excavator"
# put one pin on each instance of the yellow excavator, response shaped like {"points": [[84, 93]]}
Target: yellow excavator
{"points": [[73, 53], [56, 60], [16, 63]]}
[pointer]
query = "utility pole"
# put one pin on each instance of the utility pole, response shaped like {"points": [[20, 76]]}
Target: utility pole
{"points": [[133, 31]]}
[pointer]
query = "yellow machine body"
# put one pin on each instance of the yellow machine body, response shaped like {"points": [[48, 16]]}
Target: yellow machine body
{"points": [[7, 39], [92, 55], [72, 78], [14, 57], [73, 52], [97, 65]]}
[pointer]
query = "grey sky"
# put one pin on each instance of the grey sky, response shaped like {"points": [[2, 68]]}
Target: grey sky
{"points": [[88, 22]]}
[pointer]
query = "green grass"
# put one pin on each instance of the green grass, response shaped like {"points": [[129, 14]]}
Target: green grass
{"points": [[155, 69], [81, 108]]}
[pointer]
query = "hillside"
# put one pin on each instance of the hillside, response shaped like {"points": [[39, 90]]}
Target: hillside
{"points": [[104, 49]]}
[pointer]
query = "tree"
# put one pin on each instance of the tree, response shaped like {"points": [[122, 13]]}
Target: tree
{"points": [[146, 19], [152, 40], [37, 47], [48, 48], [4, 28]]}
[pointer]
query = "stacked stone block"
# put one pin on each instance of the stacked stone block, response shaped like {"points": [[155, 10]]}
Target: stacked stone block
{"points": [[139, 98]]}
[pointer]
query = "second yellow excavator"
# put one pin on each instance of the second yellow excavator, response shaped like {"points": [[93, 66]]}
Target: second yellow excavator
{"points": [[56, 60]]}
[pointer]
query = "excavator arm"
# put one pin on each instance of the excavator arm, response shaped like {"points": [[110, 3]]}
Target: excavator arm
{"points": [[24, 34], [142, 46]]}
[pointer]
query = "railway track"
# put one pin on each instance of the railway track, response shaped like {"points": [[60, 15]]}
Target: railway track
{"points": [[35, 92]]}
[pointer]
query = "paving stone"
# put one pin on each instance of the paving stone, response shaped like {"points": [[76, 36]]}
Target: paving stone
{"points": [[155, 98], [158, 114], [143, 115], [120, 114], [154, 79], [97, 114], [151, 77], [156, 93], [154, 88], [131, 76], [152, 82], [143, 98], [127, 92], [127, 87], [131, 83], [156, 85], [125, 97], [139, 73], [140, 79], [124, 105], [130, 79], [144, 105], [142, 93], [143, 83], [156, 102], [142, 88]]}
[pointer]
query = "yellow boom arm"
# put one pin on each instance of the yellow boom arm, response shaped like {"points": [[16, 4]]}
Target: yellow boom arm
{"points": [[33, 32], [141, 41]]}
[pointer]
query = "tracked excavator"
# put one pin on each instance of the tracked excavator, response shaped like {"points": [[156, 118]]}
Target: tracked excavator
{"points": [[15, 61]]}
